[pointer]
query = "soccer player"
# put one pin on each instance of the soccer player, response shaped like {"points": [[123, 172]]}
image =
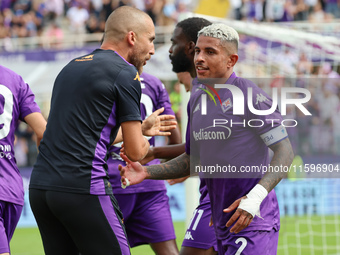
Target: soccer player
{"points": [[245, 210], [16, 103], [145, 206], [93, 96], [200, 237]]}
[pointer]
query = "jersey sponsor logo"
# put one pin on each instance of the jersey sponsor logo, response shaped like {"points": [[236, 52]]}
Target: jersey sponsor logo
{"points": [[208, 134], [86, 58], [188, 236], [226, 105], [137, 77], [261, 98]]}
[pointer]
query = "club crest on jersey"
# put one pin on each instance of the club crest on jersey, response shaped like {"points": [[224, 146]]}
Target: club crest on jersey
{"points": [[137, 77], [226, 105]]}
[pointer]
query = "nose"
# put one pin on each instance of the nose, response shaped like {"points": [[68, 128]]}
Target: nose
{"points": [[170, 49], [198, 57], [152, 50]]}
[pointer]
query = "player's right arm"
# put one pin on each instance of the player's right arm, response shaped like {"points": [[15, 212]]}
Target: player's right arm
{"points": [[38, 123], [136, 173], [135, 144]]}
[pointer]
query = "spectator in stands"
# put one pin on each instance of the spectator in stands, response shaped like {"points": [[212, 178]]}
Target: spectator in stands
{"points": [[77, 16], [304, 67]]}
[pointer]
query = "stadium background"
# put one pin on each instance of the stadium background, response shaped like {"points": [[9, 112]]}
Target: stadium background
{"points": [[282, 43]]}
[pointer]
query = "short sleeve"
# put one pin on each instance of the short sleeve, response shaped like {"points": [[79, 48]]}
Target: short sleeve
{"points": [[27, 104], [128, 96]]}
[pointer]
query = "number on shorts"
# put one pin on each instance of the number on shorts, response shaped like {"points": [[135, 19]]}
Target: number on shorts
{"points": [[198, 218], [243, 245], [6, 115]]}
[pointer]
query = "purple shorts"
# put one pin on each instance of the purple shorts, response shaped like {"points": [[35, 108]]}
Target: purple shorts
{"points": [[147, 217], [199, 234], [250, 243], [9, 217]]}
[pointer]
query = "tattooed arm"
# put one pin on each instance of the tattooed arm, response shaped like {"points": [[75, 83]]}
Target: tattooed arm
{"points": [[136, 173], [283, 157]]}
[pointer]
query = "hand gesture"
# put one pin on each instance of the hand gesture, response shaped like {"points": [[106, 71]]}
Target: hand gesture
{"points": [[243, 217], [132, 173], [156, 124]]}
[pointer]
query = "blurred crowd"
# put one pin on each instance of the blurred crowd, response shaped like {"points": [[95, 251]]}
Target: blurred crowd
{"points": [[26, 18], [286, 10]]}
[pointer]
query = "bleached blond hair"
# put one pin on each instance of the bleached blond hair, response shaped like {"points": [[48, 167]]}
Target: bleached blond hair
{"points": [[222, 32]]}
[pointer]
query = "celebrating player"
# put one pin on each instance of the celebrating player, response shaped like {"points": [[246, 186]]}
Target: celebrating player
{"points": [[245, 211], [93, 96]]}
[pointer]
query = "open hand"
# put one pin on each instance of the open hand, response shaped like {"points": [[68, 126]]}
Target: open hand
{"points": [[132, 173], [157, 124]]}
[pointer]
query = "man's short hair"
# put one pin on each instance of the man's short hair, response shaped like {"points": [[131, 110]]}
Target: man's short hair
{"points": [[191, 26], [221, 31]]}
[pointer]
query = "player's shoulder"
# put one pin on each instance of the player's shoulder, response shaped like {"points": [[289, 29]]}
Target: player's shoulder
{"points": [[151, 79], [11, 79]]}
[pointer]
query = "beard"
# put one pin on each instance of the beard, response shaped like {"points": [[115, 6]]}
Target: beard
{"points": [[137, 62], [181, 63]]}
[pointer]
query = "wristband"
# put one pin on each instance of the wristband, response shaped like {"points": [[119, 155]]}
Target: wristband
{"points": [[252, 203]]}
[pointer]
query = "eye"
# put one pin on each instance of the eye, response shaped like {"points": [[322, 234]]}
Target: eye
{"points": [[210, 52], [197, 51]]}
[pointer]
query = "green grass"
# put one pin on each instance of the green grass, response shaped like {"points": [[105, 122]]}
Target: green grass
{"points": [[27, 241], [302, 235]]}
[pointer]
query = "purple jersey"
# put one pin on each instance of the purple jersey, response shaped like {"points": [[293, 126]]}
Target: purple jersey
{"points": [[220, 138], [16, 102], [154, 96]]}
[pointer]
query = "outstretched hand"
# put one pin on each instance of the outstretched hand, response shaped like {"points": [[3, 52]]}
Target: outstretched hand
{"points": [[158, 125], [242, 217], [132, 173]]}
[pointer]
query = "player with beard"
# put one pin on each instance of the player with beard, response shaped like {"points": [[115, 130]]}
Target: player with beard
{"points": [[200, 237], [93, 96], [244, 206], [145, 206]]}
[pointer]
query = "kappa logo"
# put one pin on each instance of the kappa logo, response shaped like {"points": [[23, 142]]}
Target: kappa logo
{"points": [[188, 236], [261, 98], [86, 58], [137, 77], [197, 108]]}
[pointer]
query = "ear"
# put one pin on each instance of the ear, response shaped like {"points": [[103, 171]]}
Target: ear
{"points": [[233, 58], [190, 48], [131, 38]]}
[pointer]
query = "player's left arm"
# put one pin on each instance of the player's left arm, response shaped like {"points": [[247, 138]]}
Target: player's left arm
{"points": [[249, 205]]}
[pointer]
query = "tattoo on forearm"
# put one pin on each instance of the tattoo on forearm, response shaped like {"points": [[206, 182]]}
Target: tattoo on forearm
{"points": [[283, 156], [175, 168]]}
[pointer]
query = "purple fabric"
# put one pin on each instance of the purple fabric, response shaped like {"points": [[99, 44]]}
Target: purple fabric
{"points": [[242, 146], [199, 234], [106, 204], [9, 217], [16, 102], [250, 243], [147, 217], [154, 96], [98, 172]]}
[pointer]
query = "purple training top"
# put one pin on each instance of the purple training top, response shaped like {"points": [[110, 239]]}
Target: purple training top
{"points": [[16, 102]]}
